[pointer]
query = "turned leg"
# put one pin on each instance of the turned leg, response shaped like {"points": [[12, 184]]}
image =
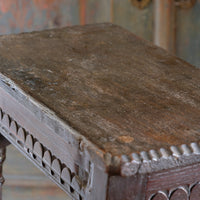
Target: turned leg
{"points": [[3, 144]]}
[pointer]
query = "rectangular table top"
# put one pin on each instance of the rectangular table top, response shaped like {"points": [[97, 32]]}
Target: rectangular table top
{"points": [[123, 94]]}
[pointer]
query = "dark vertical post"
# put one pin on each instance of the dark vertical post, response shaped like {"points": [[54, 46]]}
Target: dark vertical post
{"points": [[3, 143], [2, 159]]}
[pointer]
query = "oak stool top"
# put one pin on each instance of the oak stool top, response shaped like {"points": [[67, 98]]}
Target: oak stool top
{"points": [[97, 101]]}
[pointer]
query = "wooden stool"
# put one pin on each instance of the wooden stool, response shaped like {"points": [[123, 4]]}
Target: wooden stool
{"points": [[103, 113]]}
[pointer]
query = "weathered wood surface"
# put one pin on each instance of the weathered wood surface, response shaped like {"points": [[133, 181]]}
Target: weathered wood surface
{"points": [[87, 104], [21, 15], [174, 184], [119, 92], [133, 187]]}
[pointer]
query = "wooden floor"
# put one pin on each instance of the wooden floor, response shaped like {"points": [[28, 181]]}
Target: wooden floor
{"points": [[25, 182]]}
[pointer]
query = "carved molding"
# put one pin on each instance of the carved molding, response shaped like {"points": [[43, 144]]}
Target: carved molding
{"points": [[186, 192], [70, 182], [161, 159]]}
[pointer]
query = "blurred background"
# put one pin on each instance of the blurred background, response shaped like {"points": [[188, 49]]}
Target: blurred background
{"points": [[172, 24]]}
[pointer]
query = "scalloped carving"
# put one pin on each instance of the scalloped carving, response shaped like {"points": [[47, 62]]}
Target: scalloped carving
{"points": [[159, 196], [44, 158], [29, 143], [6, 120], [66, 175], [21, 135], [47, 158], [76, 183], [13, 128], [38, 150], [56, 166], [195, 192], [179, 194], [188, 192]]}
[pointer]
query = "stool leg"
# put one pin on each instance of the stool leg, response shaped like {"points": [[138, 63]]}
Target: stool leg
{"points": [[2, 159], [3, 143]]}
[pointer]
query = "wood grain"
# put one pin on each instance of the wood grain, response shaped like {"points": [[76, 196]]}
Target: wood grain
{"points": [[130, 188], [174, 184], [54, 160], [105, 83]]}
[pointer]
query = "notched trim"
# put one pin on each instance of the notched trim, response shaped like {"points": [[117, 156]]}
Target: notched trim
{"points": [[162, 159], [187, 190]]}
